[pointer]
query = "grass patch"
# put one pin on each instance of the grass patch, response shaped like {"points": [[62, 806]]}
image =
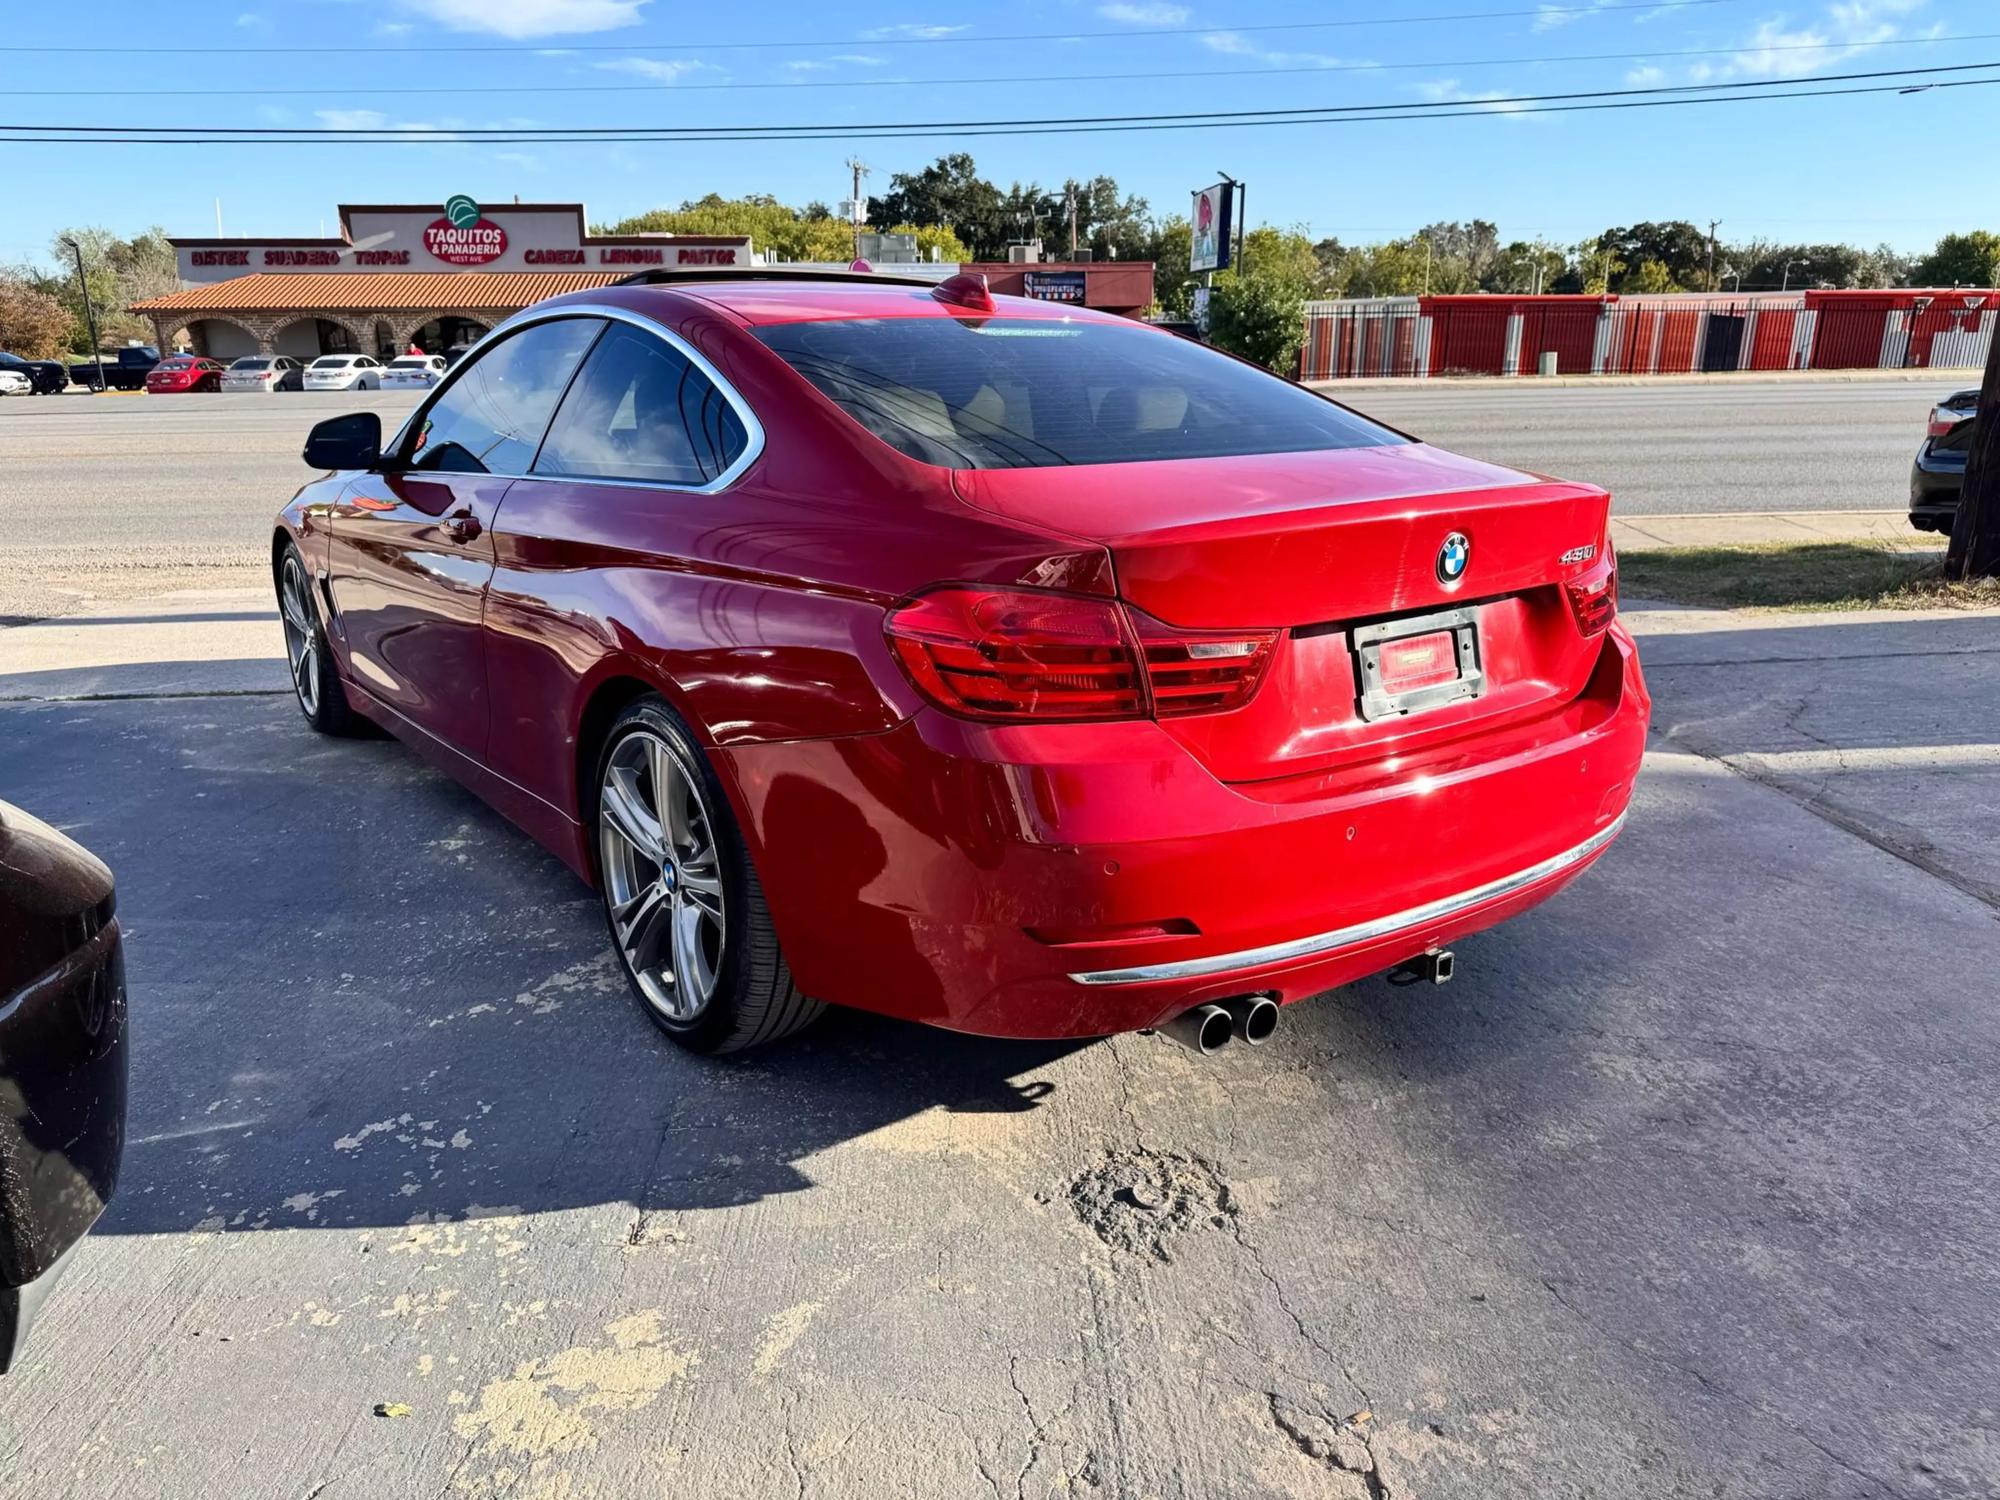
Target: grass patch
{"points": [[1800, 576]]}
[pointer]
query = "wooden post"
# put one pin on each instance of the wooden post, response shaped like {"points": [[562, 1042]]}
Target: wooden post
{"points": [[1975, 535]]}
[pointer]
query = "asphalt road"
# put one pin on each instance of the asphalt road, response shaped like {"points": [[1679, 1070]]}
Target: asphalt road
{"points": [[1684, 1187], [112, 496]]}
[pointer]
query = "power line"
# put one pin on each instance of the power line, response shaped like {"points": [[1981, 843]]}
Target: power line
{"points": [[430, 48], [378, 134], [667, 135], [877, 83]]}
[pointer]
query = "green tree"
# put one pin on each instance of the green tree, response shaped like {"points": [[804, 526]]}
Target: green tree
{"points": [[950, 192], [1652, 276], [1525, 266], [1167, 247], [119, 271], [1260, 317], [1961, 260], [1675, 244]]}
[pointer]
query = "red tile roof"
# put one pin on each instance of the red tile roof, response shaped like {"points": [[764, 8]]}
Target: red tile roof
{"points": [[470, 291]]}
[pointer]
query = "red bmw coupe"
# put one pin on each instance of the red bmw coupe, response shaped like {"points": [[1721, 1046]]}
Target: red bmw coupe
{"points": [[982, 661]]}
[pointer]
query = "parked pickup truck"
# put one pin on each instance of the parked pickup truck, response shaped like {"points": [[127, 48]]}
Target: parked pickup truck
{"points": [[124, 369]]}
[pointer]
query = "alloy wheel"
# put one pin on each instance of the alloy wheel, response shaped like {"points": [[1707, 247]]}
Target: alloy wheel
{"points": [[662, 866], [301, 634]]}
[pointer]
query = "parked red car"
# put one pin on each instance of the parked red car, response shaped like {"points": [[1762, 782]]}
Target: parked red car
{"points": [[982, 661], [184, 372]]}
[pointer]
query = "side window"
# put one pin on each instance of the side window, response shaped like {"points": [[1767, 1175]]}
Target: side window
{"points": [[489, 419], [641, 410]]}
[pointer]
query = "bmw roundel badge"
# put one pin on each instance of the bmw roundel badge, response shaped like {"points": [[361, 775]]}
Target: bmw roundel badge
{"points": [[1453, 557]]}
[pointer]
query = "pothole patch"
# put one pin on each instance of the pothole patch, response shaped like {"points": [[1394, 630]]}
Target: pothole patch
{"points": [[1140, 1202]]}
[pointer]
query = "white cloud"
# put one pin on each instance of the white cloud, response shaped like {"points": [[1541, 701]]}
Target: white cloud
{"points": [[1646, 77], [521, 19], [1235, 44], [808, 65], [861, 60], [659, 69], [351, 119], [1849, 28], [1148, 14], [521, 159], [1549, 17], [1447, 91], [250, 20], [912, 31], [393, 28]]}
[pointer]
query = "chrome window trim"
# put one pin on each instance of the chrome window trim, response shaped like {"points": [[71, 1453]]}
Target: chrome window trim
{"points": [[1359, 932], [753, 429]]}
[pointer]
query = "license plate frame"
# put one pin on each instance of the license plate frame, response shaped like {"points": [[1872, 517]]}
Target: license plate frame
{"points": [[1377, 702]]}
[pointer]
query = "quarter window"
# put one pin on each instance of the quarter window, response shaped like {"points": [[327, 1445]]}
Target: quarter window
{"points": [[489, 419], [641, 410]]}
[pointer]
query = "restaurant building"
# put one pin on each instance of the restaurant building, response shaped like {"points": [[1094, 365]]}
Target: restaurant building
{"points": [[432, 276]]}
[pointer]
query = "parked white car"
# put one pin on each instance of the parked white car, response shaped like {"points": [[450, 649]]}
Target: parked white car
{"points": [[264, 372], [344, 372], [14, 383], [413, 372]]}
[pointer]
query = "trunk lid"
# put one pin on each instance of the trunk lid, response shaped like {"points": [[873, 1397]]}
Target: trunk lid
{"points": [[1320, 545]]}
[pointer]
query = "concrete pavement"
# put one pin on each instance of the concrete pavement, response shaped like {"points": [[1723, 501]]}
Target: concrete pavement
{"points": [[1681, 1188]]}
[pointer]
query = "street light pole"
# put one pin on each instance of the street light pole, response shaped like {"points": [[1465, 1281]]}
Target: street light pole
{"points": [[1785, 283], [89, 312]]}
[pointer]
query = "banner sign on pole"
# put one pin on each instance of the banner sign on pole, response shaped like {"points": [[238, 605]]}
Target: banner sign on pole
{"points": [[1213, 233]]}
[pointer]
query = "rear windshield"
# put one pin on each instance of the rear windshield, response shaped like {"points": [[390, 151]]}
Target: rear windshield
{"points": [[409, 364], [1025, 393], [333, 362], [251, 364]]}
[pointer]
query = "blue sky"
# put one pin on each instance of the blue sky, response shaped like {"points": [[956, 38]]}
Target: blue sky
{"points": [[1894, 167]]}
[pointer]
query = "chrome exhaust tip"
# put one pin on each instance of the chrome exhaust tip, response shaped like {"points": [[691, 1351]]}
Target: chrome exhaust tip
{"points": [[1205, 1029], [1253, 1018]]}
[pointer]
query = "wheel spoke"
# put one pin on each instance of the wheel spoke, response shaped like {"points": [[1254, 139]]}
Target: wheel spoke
{"points": [[694, 980], [670, 795], [630, 818], [640, 927], [702, 884]]}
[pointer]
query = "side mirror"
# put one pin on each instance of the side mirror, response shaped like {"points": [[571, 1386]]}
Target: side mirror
{"points": [[352, 441]]}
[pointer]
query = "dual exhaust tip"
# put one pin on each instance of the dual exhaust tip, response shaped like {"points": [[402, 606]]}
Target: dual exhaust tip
{"points": [[1207, 1029]]}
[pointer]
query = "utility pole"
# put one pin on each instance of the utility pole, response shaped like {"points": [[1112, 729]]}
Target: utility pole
{"points": [[1975, 534], [1069, 193], [1713, 224], [1427, 265], [856, 209], [89, 312]]}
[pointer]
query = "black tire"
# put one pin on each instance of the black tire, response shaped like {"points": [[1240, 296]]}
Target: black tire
{"points": [[754, 1001], [315, 679]]}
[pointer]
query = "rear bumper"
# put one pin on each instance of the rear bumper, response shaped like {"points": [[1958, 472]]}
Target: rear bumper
{"points": [[1077, 880]]}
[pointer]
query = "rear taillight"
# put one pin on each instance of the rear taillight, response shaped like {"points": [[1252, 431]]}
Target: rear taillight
{"points": [[1201, 671], [1593, 595], [1024, 654]]}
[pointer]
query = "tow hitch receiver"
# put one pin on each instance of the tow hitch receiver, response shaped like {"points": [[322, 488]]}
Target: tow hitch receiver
{"points": [[1435, 967]]}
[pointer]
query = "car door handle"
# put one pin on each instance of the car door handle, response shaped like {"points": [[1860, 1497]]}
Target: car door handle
{"points": [[462, 525]]}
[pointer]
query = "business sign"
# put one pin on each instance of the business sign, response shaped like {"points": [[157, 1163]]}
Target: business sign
{"points": [[1211, 228], [464, 236], [1056, 286]]}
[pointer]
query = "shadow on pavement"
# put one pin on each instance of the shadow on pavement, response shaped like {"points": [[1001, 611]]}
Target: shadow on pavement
{"points": [[360, 997]]}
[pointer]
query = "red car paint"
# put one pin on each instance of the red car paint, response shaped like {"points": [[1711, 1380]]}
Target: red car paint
{"points": [[184, 373], [934, 866]]}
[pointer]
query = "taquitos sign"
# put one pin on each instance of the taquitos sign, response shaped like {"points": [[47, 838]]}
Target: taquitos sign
{"points": [[464, 236]]}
